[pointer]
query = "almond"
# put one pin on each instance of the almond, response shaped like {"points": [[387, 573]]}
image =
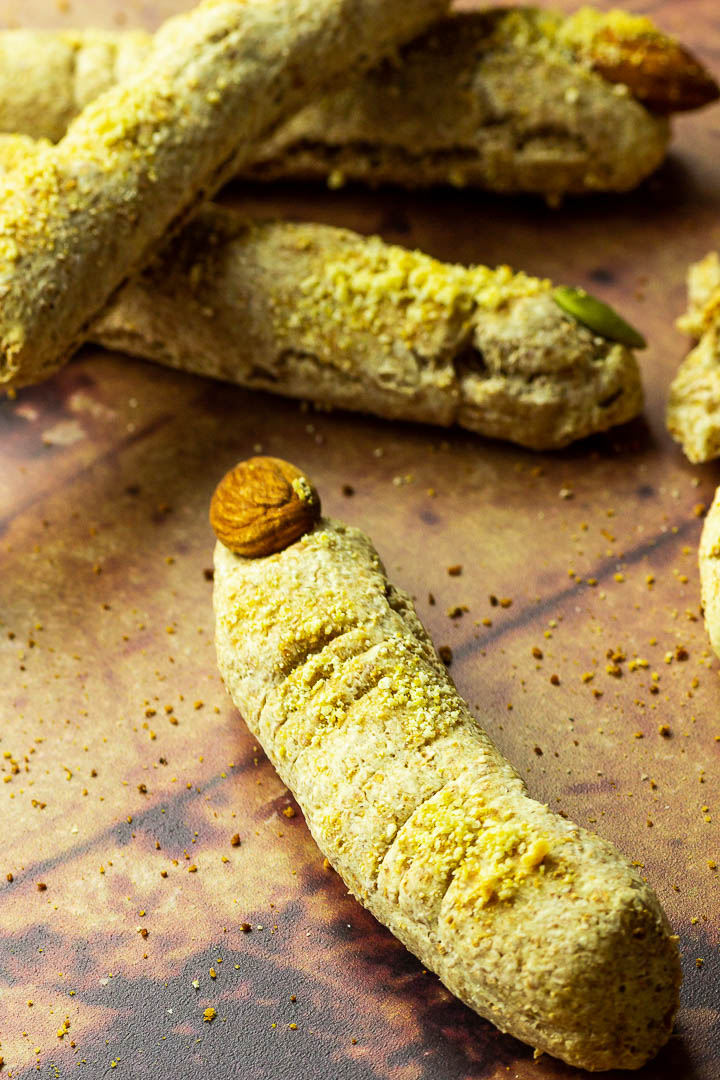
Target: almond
{"points": [[658, 71], [262, 506]]}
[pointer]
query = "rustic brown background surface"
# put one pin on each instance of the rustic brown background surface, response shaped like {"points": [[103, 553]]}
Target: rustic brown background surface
{"points": [[125, 766]]}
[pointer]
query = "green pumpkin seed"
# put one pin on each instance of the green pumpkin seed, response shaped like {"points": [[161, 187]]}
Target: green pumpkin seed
{"points": [[597, 316]]}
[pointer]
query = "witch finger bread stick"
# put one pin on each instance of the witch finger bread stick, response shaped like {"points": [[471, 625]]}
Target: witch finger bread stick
{"points": [[78, 218], [510, 100], [316, 312], [693, 409], [538, 925]]}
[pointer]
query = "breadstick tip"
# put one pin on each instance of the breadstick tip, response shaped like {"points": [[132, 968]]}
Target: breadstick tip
{"points": [[630, 50]]}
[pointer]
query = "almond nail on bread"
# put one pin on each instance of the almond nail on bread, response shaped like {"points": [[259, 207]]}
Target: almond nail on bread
{"points": [[540, 926], [79, 218]]}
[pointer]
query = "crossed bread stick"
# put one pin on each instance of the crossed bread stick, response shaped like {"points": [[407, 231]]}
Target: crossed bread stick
{"points": [[321, 313], [509, 100], [537, 924], [77, 219]]}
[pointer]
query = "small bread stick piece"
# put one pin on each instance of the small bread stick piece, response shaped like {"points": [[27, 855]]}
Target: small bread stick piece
{"points": [[537, 924], [79, 218], [709, 563], [509, 100], [321, 313], [693, 409]]}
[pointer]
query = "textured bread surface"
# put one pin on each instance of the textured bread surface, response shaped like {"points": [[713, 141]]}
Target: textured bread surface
{"points": [[538, 925], [322, 313], [80, 217], [503, 100], [693, 409]]}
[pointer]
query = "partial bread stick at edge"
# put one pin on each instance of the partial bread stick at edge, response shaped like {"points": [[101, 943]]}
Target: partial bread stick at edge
{"points": [[537, 924], [693, 408], [709, 564], [82, 216]]}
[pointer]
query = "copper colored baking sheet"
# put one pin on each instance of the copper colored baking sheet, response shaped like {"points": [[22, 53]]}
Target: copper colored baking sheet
{"points": [[127, 772]]}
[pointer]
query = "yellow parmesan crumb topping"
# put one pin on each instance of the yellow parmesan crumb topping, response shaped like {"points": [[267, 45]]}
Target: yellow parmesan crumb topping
{"points": [[704, 295], [386, 685], [15, 149], [366, 285], [30, 195], [583, 26], [532, 28], [457, 835]]}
